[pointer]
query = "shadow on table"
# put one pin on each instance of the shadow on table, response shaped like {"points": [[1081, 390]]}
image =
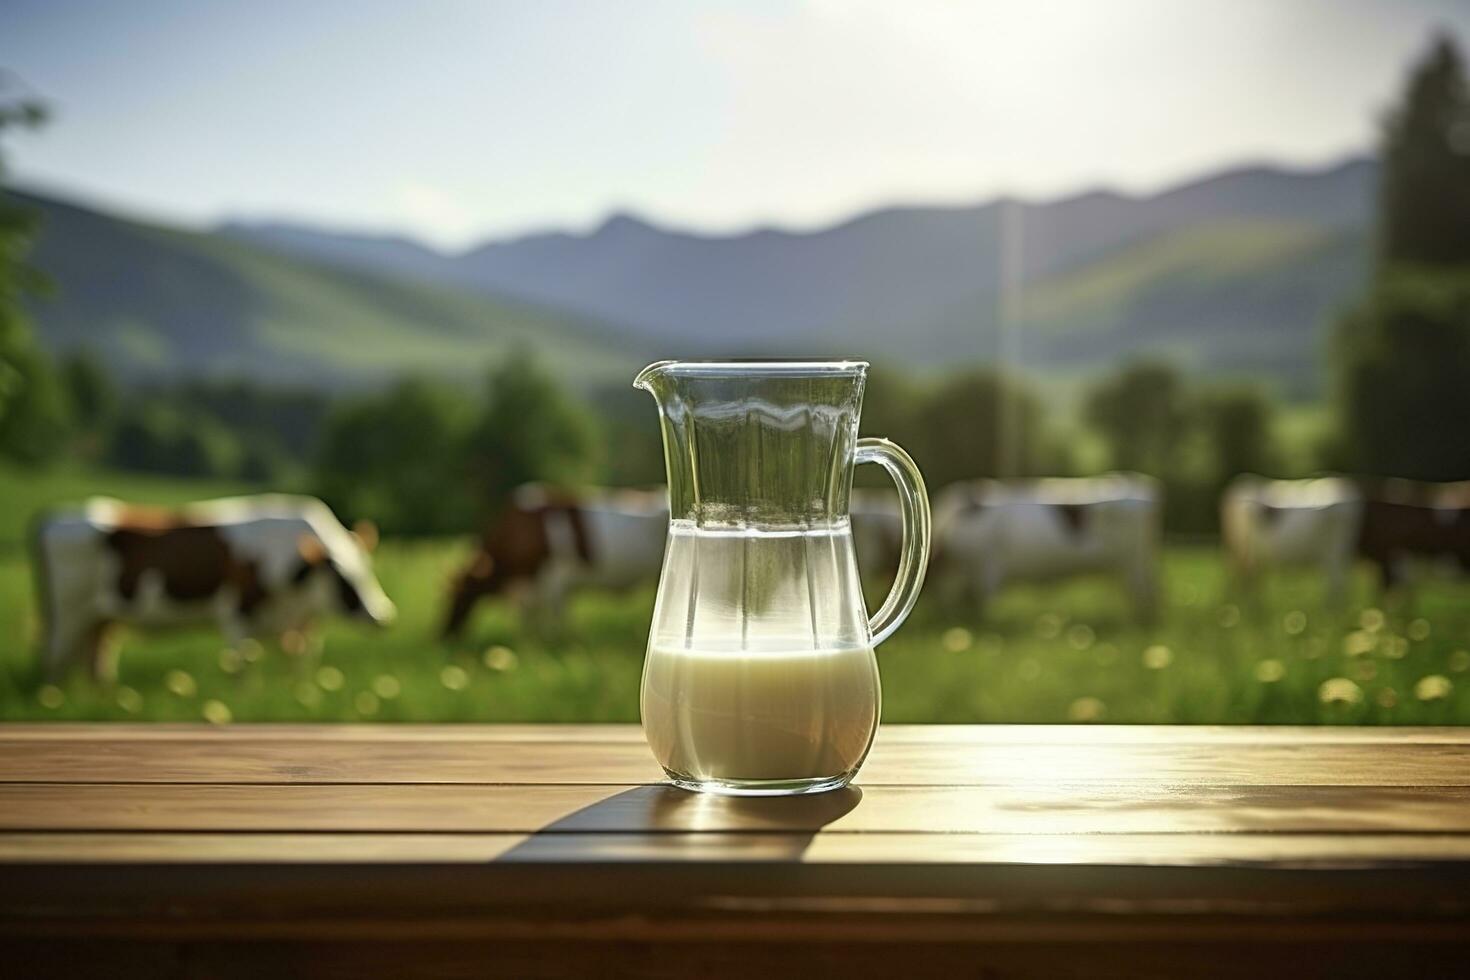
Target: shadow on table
{"points": [[664, 823]]}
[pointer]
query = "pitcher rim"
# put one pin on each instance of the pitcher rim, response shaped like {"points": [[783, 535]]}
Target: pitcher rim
{"points": [[794, 368]]}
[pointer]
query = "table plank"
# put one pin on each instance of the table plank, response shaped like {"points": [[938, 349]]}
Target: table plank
{"points": [[1245, 849], [1021, 809], [358, 760], [658, 902], [897, 759], [198, 847], [532, 850]]}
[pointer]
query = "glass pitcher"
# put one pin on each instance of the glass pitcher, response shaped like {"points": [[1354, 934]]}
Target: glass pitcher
{"points": [[760, 677]]}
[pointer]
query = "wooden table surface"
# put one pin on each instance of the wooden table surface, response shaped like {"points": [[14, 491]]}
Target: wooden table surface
{"points": [[554, 850]]}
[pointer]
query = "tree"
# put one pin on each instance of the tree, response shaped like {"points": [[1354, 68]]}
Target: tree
{"points": [[1194, 440], [628, 433], [976, 423], [93, 399], [529, 430], [1402, 357], [156, 436], [1142, 416], [398, 457], [33, 409], [34, 424], [1236, 423], [1404, 378], [1424, 198], [892, 401], [424, 458], [90, 389]]}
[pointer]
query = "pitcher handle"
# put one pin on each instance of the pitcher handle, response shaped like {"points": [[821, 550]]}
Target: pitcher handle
{"points": [[913, 560]]}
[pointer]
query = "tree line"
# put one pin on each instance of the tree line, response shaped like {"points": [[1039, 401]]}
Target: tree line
{"points": [[424, 457]]}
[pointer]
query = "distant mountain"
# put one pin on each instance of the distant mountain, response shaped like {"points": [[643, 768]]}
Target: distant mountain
{"points": [[1266, 254], [156, 301], [1236, 273]]}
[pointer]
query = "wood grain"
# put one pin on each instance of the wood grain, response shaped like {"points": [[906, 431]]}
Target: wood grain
{"points": [[1020, 809], [1003, 851], [713, 847], [895, 761], [900, 758]]}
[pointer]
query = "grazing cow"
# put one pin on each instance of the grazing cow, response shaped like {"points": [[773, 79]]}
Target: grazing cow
{"points": [[546, 543], [990, 532], [1404, 521], [258, 566], [1269, 524]]}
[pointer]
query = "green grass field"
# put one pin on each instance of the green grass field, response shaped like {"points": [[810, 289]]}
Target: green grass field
{"points": [[1056, 654]]}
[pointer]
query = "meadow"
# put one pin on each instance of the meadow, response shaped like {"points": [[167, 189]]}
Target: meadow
{"points": [[1039, 654]]}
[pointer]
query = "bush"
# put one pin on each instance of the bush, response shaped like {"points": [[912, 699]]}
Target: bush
{"points": [[156, 437]]}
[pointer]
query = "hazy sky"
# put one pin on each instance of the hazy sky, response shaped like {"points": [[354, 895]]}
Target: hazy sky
{"points": [[458, 120]]}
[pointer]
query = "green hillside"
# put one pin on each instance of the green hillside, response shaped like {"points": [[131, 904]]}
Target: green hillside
{"points": [[1231, 297], [156, 301]]}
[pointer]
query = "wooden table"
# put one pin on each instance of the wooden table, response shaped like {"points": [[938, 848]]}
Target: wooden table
{"points": [[552, 850]]}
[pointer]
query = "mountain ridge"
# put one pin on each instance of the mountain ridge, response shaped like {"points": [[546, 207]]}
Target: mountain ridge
{"points": [[240, 225], [901, 267], [1237, 271]]}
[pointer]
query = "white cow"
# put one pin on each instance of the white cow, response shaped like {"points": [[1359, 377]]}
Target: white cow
{"points": [[1267, 524], [989, 533], [258, 566], [546, 544]]}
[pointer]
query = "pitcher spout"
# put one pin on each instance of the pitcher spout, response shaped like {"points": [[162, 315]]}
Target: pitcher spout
{"points": [[648, 378]]}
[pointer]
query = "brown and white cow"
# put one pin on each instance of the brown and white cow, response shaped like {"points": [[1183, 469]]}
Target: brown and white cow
{"points": [[991, 532], [258, 566], [546, 543]]}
